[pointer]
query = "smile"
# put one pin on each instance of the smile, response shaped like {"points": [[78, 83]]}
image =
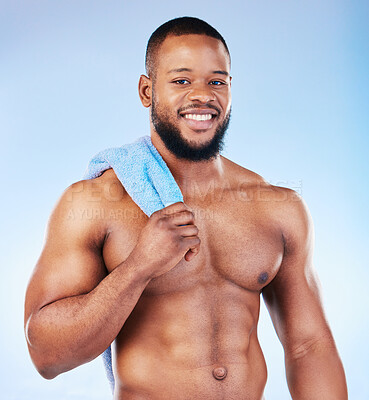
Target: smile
{"points": [[198, 117]]}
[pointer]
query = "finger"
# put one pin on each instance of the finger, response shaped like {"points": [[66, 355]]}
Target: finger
{"points": [[182, 218], [188, 230], [193, 246], [191, 254], [173, 208]]}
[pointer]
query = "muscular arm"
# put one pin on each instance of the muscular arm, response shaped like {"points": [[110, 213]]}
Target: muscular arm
{"points": [[73, 309], [313, 366]]}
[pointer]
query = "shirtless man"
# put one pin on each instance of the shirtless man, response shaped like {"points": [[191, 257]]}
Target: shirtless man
{"points": [[178, 294]]}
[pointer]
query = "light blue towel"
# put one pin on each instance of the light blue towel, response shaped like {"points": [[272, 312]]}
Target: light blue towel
{"points": [[143, 173], [146, 178]]}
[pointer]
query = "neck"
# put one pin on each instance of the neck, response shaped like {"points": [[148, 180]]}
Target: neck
{"points": [[189, 173]]}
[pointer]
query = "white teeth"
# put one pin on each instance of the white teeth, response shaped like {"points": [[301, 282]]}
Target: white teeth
{"points": [[198, 117]]}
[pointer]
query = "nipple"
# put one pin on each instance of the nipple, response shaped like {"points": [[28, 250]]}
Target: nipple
{"points": [[263, 277], [220, 373]]}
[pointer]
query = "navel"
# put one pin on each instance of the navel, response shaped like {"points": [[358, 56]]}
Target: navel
{"points": [[220, 373], [263, 277]]}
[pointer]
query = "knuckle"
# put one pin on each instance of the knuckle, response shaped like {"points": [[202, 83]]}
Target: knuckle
{"points": [[185, 207], [162, 223], [189, 214]]}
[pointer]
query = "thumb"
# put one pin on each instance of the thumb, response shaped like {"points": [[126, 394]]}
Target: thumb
{"points": [[191, 254]]}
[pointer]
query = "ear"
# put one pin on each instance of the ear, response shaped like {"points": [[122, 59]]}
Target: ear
{"points": [[145, 90]]}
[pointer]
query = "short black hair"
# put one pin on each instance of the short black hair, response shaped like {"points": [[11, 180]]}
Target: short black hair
{"points": [[178, 27]]}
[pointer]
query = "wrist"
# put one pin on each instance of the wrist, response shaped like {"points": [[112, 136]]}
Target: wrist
{"points": [[140, 267]]}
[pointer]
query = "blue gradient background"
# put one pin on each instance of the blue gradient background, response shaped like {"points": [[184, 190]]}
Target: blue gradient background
{"points": [[68, 88]]}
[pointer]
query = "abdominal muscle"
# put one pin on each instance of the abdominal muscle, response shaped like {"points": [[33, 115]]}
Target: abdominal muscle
{"points": [[196, 344]]}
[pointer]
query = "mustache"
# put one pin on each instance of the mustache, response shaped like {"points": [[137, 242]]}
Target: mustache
{"points": [[198, 106]]}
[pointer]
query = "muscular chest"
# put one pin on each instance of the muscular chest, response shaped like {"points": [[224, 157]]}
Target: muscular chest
{"points": [[240, 243]]}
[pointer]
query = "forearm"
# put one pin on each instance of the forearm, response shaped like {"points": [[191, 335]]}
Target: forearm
{"points": [[75, 330], [316, 373]]}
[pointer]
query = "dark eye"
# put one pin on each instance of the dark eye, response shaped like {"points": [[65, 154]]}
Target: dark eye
{"points": [[217, 83], [181, 81]]}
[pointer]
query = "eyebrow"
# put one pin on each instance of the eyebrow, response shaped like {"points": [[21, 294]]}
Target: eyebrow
{"points": [[221, 72]]}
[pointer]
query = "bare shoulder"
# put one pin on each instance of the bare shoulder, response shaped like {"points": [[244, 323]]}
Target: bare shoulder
{"points": [[103, 188], [241, 174], [288, 208], [281, 204], [71, 261], [81, 209], [248, 179]]}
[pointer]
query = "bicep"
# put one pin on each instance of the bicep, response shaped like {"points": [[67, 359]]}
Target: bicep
{"points": [[70, 264], [293, 297]]}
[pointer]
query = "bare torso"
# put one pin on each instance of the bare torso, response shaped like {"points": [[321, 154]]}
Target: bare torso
{"points": [[193, 332], [178, 293]]}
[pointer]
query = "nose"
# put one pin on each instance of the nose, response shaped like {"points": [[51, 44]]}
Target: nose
{"points": [[201, 93]]}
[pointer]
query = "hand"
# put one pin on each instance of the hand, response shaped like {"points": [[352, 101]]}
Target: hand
{"points": [[169, 235]]}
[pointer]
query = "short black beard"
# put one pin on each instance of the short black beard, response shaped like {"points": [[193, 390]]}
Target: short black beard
{"points": [[182, 148]]}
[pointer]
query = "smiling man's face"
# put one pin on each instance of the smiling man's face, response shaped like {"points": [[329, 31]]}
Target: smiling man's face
{"points": [[191, 96]]}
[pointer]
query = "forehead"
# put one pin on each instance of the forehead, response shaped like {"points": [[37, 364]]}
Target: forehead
{"points": [[192, 51]]}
